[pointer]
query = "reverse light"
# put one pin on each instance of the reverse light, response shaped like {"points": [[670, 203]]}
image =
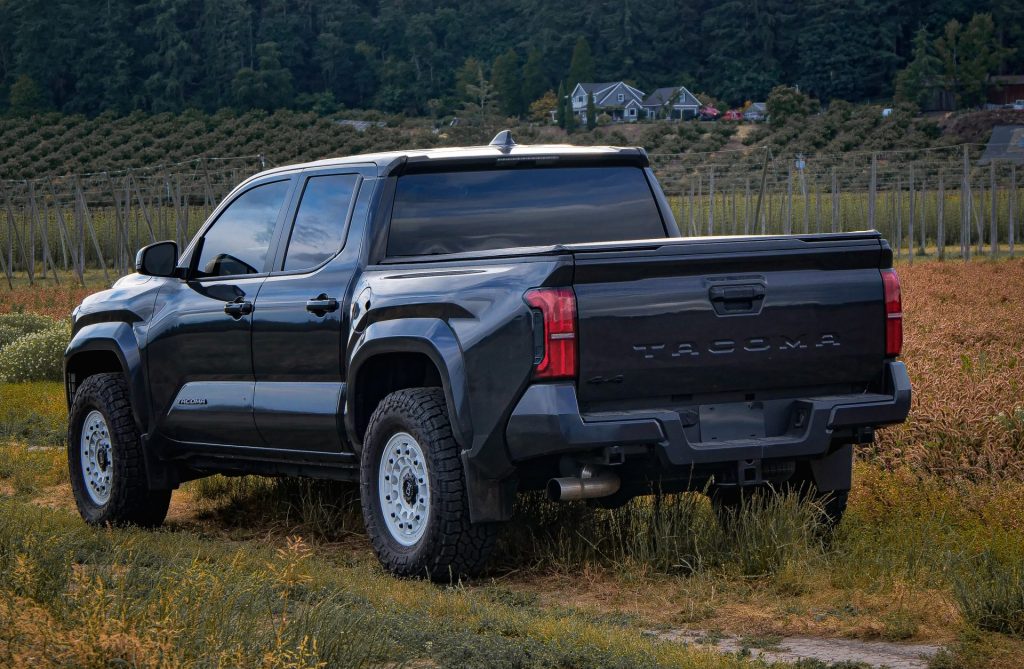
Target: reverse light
{"points": [[555, 350], [893, 312]]}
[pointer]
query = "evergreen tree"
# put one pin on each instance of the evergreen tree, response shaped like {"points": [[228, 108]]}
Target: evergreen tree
{"points": [[582, 67], [25, 97], [267, 87], [969, 54], [507, 78], [467, 75], [560, 116], [916, 82], [591, 112], [171, 62], [534, 82], [225, 36]]}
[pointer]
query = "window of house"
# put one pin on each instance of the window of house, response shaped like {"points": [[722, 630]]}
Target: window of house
{"points": [[632, 111], [621, 97]]}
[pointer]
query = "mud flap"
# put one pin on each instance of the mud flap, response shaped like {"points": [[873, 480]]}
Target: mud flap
{"points": [[834, 471]]}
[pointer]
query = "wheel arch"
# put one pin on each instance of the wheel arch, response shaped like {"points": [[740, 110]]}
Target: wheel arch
{"points": [[109, 347], [410, 353]]}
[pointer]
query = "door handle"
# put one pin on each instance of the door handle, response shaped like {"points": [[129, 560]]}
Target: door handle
{"points": [[321, 304], [238, 308], [737, 299]]}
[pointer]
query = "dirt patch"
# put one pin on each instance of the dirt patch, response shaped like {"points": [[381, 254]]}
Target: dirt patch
{"points": [[6, 489], [796, 648], [975, 127], [55, 497]]}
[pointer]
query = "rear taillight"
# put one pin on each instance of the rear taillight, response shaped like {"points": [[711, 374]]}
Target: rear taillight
{"points": [[893, 312], [555, 355]]}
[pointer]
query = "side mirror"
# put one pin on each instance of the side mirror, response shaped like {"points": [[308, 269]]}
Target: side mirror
{"points": [[158, 259]]}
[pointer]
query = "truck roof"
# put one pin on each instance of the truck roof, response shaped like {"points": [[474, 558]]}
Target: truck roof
{"points": [[502, 151]]}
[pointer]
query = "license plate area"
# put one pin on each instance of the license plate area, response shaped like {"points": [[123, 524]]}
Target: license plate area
{"points": [[731, 422]]}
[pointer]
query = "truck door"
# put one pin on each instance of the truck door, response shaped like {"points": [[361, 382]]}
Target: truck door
{"points": [[301, 316], [199, 343]]}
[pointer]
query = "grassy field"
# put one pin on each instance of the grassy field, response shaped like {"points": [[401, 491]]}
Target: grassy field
{"points": [[259, 572]]}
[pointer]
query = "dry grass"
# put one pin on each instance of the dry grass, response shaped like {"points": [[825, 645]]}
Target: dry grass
{"points": [[964, 348], [46, 297]]}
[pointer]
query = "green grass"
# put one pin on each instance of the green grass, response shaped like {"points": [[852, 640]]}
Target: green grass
{"points": [[916, 558]]}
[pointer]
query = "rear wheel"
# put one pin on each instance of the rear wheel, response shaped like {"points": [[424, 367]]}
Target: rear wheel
{"points": [[414, 493], [105, 459]]}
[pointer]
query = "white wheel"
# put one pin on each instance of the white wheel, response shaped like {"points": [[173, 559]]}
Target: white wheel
{"points": [[96, 458], [403, 486]]}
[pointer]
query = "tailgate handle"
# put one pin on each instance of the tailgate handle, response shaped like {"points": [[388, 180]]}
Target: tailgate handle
{"points": [[741, 299]]}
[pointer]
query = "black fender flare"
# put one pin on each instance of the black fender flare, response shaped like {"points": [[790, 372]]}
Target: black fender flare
{"points": [[429, 336], [117, 337]]}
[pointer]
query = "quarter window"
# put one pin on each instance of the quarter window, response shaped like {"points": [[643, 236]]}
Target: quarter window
{"points": [[238, 241], [319, 228]]}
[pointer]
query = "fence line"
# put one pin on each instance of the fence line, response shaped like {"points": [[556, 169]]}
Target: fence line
{"points": [[923, 200]]}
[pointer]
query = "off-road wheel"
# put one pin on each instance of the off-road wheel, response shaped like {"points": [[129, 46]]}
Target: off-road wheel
{"points": [[414, 494], [105, 459]]}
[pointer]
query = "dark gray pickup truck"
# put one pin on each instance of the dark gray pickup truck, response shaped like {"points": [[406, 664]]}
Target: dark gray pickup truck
{"points": [[450, 327]]}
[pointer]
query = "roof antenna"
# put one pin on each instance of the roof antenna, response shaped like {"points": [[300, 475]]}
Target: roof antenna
{"points": [[503, 141]]}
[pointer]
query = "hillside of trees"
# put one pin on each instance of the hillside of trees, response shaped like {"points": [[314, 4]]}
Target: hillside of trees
{"points": [[60, 144], [420, 58]]}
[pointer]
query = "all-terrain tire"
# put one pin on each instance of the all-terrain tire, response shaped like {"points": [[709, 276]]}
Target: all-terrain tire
{"points": [[449, 547], [129, 499]]}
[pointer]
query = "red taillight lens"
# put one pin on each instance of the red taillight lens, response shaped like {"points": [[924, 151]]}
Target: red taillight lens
{"points": [[893, 312], [558, 311]]}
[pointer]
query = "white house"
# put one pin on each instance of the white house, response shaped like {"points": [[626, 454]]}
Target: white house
{"points": [[616, 98], [675, 102]]}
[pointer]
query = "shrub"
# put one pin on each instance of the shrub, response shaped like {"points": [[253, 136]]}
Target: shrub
{"points": [[37, 356], [990, 592], [16, 325]]}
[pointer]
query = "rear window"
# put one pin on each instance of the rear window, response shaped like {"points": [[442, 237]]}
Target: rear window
{"points": [[453, 212]]}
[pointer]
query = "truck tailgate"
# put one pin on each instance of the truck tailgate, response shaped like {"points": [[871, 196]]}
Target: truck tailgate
{"points": [[685, 318]]}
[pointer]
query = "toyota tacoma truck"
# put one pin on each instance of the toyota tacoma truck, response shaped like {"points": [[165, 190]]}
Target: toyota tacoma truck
{"points": [[451, 327]]}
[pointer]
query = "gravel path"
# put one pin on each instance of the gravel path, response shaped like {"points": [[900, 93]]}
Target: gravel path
{"points": [[790, 649]]}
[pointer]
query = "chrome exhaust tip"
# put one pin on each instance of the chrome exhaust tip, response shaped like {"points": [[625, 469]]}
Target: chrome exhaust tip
{"points": [[592, 482]]}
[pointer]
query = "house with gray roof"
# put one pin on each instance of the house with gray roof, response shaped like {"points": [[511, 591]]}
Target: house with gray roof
{"points": [[673, 102], [616, 98]]}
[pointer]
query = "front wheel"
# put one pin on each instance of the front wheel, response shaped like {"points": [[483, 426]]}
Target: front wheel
{"points": [[413, 491], [105, 459]]}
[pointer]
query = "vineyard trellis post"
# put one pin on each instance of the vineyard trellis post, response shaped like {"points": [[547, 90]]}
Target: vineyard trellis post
{"points": [[872, 191], [993, 235], [760, 192], [14, 236], [711, 201], [965, 209], [1012, 204], [940, 230], [835, 200], [86, 223], [910, 220], [65, 234]]}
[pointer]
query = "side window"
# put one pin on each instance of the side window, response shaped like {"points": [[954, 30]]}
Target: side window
{"points": [[319, 228], [239, 239]]}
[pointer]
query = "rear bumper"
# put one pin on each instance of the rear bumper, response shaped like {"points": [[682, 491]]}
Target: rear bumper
{"points": [[547, 421]]}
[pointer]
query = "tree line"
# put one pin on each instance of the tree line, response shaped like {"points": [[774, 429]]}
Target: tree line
{"points": [[430, 57]]}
